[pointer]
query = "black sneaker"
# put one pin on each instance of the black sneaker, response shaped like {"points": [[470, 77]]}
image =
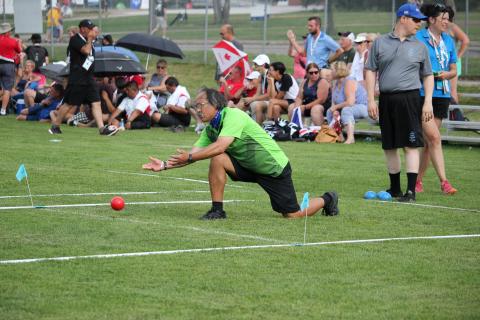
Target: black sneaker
{"points": [[394, 194], [331, 208], [213, 215], [55, 130], [108, 131], [409, 196]]}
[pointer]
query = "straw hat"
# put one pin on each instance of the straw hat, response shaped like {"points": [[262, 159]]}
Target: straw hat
{"points": [[5, 27]]}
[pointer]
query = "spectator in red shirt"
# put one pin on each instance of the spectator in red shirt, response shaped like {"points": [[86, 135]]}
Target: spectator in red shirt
{"points": [[232, 87], [9, 48]]}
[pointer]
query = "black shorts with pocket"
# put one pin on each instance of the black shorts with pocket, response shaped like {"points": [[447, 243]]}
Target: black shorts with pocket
{"points": [[280, 189], [401, 119], [440, 107], [78, 94], [174, 119]]}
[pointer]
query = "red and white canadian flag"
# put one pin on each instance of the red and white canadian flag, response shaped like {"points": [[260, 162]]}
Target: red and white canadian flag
{"points": [[228, 56]]}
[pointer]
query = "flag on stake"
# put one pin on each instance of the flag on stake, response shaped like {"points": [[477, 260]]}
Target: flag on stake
{"points": [[228, 56], [21, 173], [297, 117], [305, 201]]}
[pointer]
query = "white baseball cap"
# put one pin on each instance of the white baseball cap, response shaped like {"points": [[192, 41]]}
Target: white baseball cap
{"points": [[361, 37], [261, 59], [253, 75]]}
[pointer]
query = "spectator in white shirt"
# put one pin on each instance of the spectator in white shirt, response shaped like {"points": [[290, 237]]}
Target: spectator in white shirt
{"points": [[176, 112]]}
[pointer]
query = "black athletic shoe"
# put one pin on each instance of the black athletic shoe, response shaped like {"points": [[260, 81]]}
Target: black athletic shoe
{"points": [[409, 196], [214, 214], [55, 130], [108, 131], [331, 208], [397, 194]]}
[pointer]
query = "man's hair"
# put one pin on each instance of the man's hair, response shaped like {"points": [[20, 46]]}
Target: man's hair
{"points": [[171, 81], [120, 82], [278, 66], [132, 85], [229, 28], [59, 89], [317, 19], [162, 61], [214, 98], [36, 38]]}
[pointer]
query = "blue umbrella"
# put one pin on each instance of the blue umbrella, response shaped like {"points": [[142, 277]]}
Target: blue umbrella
{"points": [[117, 49]]}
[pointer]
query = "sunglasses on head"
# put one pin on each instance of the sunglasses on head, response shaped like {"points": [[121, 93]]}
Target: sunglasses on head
{"points": [[313, 72], [439, 6]]}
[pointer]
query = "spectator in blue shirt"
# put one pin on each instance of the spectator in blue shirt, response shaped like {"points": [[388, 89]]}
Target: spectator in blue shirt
{"points": [[319, 48], [41, 111], [443, 57]]}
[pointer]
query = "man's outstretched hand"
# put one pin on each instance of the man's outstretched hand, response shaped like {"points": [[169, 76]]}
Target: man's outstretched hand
{"points": [[154, 164]]}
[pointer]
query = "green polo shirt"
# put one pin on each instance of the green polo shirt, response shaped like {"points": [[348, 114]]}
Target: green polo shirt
{"points": [[252, 147]]}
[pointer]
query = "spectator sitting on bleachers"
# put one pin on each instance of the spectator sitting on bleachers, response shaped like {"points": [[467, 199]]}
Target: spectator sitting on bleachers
{"points": [[232, 86], [283, 90], [299, 62], [249, 90], [259, 101], [157, 83], [176, 113], [134, 110], [29, 80], [41, 111], [314, 96], [349, 99], [360, 59]]}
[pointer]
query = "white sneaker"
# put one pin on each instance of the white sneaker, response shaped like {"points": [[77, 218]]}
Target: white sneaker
{"points": [[3, 112]]}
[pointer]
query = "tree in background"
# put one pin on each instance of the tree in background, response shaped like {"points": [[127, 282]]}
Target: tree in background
{"points": [[221, 12]]}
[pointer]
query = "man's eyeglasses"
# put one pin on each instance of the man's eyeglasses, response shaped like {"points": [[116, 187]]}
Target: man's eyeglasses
{"points": [[161, 67], [221, 34], [200, 105], [312, 72]]}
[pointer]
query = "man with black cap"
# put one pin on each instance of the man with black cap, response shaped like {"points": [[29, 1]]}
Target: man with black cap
{"points": [[402, 63], [346, 43], [82, 88], [9, 48], [240, 148]]}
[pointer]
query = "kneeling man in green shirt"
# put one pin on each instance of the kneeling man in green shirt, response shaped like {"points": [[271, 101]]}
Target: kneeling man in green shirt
{"points": [[238, 147]]}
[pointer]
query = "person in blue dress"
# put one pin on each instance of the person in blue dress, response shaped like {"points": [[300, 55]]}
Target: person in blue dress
{"points": [[443, 58]]}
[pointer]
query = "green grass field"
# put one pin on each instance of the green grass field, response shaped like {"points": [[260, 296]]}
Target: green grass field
{"points": [[421, 279]]}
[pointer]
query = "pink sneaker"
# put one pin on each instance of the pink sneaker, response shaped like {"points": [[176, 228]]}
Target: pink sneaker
{"points": [[418, 186], [447, 187]]}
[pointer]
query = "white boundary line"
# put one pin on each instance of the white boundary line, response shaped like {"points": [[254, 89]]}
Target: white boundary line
{"points": [[428, 206], [266, 246], [108, 204], [176, 178], [103, 194]]}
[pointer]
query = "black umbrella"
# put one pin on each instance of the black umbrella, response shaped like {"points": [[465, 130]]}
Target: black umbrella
{"points": [[108, 64], [143, 42], [55, 71]]}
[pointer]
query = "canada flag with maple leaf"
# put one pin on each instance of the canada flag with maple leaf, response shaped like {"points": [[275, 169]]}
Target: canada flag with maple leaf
{"points": [[228, 56]]}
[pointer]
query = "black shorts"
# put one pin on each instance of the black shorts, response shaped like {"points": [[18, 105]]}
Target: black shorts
{"points": [[173, 119], [77, 95], [401, 119], [143, 121], [440, 107], [280, 189]]}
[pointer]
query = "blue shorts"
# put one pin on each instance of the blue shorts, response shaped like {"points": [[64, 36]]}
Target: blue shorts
{"points": [[37, 112]]}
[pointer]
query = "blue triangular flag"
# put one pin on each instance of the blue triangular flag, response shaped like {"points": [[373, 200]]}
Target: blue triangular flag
{"points": [[297, 117], [305, 202], [21, 173]]}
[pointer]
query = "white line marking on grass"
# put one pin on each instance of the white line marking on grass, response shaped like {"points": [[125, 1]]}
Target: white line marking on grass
{"points": [[265, 246], [103, 194], [429, 206], [108, 204], [176, 178]]}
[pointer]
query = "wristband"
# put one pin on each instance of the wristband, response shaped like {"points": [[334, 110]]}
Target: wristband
{"points": [[190, 160]]}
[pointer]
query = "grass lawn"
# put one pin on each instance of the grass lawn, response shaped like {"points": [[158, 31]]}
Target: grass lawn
{"points": [[396, 280]]}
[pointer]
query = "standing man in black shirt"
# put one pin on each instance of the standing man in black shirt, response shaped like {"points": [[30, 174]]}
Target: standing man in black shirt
{"points": [[82, 88]]}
